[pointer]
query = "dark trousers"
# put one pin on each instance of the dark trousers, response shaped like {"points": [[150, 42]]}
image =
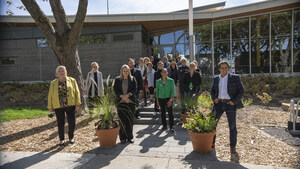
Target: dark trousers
{"points": [[231, 117], [163, 108], [60, 116], [181, 90], [156, 108], [126, 115]]}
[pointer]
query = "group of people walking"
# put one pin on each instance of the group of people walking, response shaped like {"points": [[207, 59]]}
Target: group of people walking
{"points": [[161, 80]]}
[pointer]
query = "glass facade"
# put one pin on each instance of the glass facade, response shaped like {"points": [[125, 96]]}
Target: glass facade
{"points": [[221, 43], [203, 48], [296, 45], [254, 44], [240, 46], [281, 42], [260, 61]]}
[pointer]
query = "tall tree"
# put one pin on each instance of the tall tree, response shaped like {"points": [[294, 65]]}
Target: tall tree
{"points": [[63, 38]]}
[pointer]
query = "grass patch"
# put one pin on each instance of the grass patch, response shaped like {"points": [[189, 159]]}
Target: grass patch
{"points": [[13, 113]]}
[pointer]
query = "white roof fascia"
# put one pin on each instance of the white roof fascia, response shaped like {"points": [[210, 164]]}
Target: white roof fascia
{"points": [[161, 16]]}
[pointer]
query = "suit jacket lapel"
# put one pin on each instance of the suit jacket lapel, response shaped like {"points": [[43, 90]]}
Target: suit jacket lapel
{"points": [[228, 82]]}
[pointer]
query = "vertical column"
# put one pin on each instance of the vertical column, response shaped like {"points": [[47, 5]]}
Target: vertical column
{"points": [[191, 31], [230, 43], [212, 48], [292, 41], [270, 43], [250, 69]]}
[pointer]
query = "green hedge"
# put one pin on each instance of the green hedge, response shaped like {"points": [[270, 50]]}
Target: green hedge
{"points": [[274, 86], [16, 94]]}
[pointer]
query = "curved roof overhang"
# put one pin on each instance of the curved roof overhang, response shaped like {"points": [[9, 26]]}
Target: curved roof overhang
{"points": [[161, 21]]}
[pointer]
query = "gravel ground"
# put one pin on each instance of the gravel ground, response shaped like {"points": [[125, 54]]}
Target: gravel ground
{"points": [[38, 135]]}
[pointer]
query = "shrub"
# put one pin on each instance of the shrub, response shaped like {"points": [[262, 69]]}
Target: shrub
{"points": [[265, 98], [201, 122], [16, 94]]}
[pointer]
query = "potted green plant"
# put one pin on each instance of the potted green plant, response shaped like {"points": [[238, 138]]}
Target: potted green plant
{"points": [[189, 106], [201, 127], [107, 126]]}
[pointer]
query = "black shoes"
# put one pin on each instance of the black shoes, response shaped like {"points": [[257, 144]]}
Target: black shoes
{"points": [[172, 130], [61, 143], [72, 141], [130, 140], [164, 128], [137, 116]]}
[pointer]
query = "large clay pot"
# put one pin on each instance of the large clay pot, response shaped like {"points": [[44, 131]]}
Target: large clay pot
{"points": [[202, 142], [184, 117], [107, 137]]}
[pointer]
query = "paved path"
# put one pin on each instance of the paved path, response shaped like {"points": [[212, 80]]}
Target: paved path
{"points": [[153, 149]]}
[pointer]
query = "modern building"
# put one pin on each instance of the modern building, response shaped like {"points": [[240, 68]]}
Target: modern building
{"points": [[254, 38]]}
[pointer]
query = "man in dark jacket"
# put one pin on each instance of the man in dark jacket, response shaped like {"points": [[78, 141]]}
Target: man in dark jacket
{"points": [[191, 82], [181, 71], [226, 92], [138, 76]]}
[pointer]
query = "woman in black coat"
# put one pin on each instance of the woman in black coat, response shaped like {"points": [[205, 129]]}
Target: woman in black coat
{"points": [[192, 81], [125, 88]]}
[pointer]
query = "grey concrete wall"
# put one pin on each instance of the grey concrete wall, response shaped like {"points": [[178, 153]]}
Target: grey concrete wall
{"points": [[34, 63]]}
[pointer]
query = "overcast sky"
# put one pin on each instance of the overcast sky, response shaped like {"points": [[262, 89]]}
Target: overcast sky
{"points": [[121, 6]]}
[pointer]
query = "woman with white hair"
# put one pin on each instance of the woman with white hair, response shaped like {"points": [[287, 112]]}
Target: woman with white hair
{"points": [[64, 97], [125, 88], [94, 83]]}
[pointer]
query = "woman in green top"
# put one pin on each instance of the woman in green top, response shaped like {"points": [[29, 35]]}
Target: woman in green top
{"points": [[165, 92]]}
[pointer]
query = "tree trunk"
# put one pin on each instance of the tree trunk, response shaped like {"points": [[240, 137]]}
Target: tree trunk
{"points": [[64, 39], [69, 57]]}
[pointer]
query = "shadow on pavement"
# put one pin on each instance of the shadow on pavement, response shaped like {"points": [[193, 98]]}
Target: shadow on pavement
{"points": [[154, 140], [210, 161], [27, 162], [104, 156]]}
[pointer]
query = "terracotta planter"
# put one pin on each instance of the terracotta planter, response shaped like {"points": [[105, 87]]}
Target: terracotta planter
{"points": [[184, 117], [108, 137], [202, 142]]}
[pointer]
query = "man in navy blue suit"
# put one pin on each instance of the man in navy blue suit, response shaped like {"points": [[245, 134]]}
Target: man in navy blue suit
{"points": [[227, 92]]}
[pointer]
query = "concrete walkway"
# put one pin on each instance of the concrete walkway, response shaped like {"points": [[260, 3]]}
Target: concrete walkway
{"points": [[153, 149]]}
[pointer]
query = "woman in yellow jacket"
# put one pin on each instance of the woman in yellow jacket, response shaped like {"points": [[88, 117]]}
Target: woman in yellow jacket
{"points": [[64, 97]]}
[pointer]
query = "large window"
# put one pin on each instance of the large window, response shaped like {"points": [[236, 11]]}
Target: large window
{"points": [[260, 61], [42, 42], [240, 45], [203, 48], [181, 43], [251, 43], [167, 38], [92, 39], [297, 40], [8, 61], [221, 43], [281, 42]]}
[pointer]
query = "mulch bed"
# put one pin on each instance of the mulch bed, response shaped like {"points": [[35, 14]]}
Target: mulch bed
{"points": [[40, 135]]}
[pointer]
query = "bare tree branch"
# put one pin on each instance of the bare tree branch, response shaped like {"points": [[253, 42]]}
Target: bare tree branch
{"points": [[77, 25], [60, 16], [41, 20]]}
